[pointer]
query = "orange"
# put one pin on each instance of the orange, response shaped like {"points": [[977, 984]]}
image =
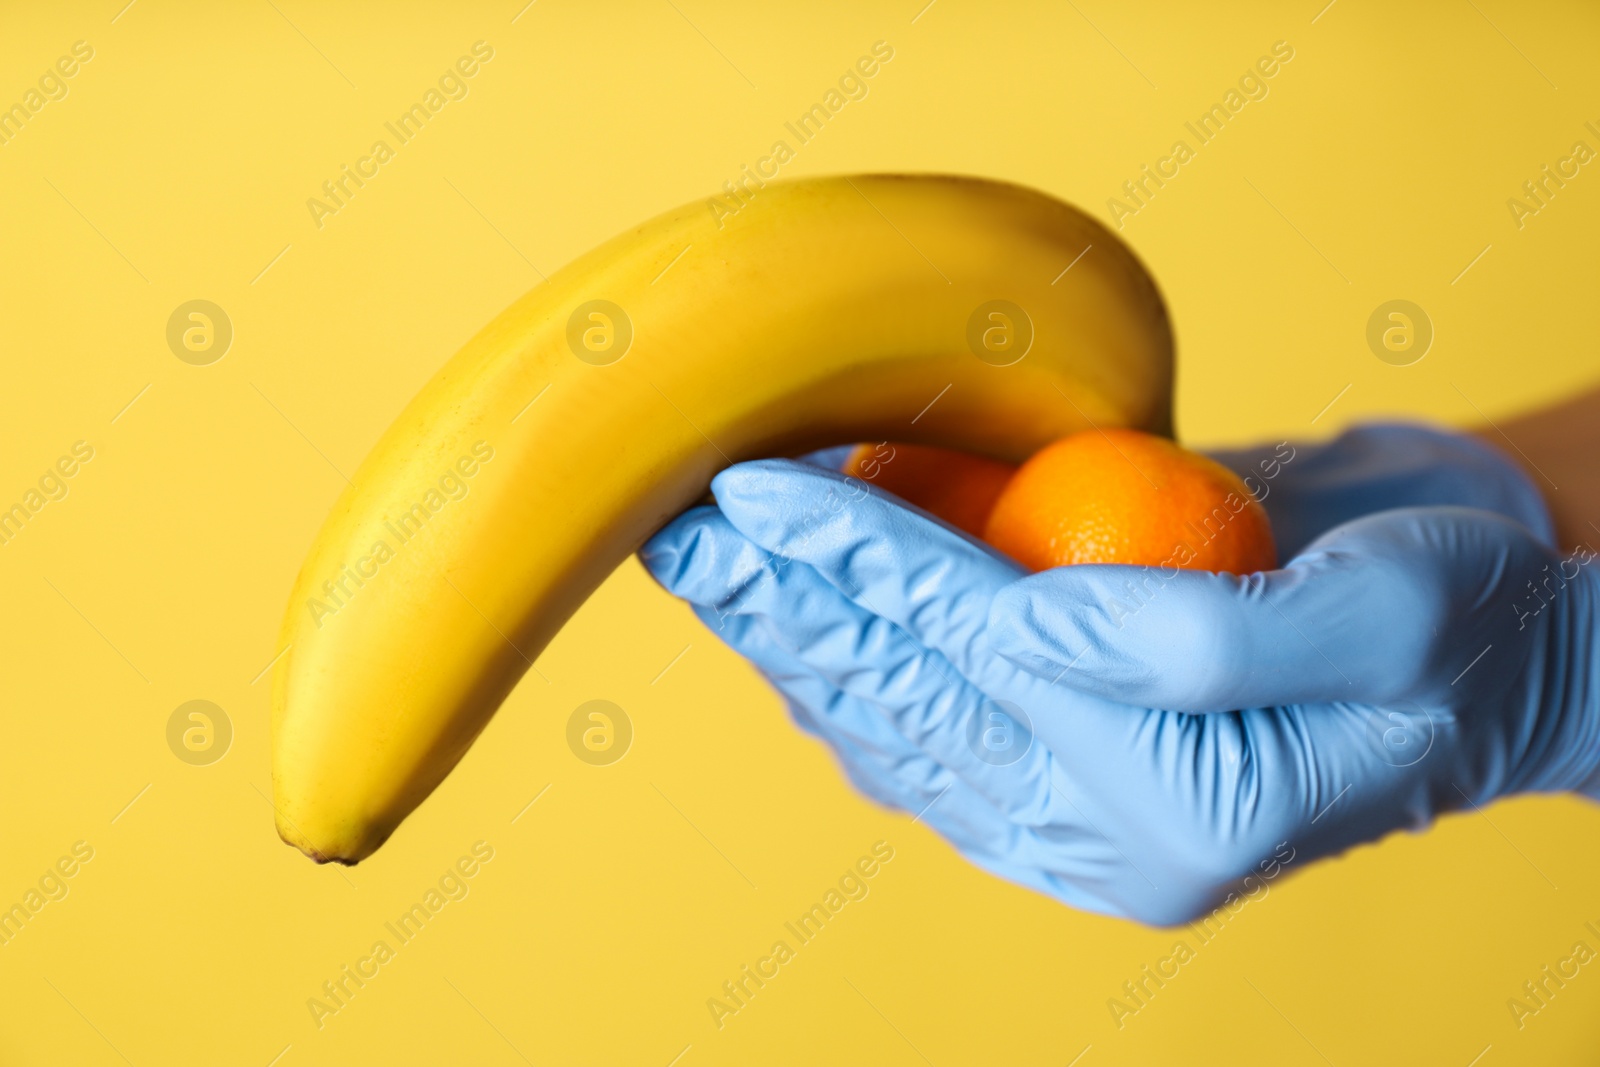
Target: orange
{"points": [[1121, 496], [957, 487]]}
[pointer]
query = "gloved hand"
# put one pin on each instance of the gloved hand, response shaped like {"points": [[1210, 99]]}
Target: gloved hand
{"points": [[1080, 731]]}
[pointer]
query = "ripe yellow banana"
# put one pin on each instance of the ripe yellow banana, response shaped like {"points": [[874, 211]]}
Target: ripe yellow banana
{"points": [[951, 311]]}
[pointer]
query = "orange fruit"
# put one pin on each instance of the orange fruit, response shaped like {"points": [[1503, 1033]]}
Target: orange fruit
{"points": [[957, 487], [1122, 496]]}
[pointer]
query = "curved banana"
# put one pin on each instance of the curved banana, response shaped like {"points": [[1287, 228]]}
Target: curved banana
{"points": [[600, 404]]}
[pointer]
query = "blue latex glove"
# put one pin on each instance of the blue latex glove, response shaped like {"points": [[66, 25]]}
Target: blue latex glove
{"points": [[1398, 667], [1310, 489]]}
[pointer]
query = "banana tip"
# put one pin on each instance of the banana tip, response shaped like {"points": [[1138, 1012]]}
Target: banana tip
{"points": [[319, 856]]}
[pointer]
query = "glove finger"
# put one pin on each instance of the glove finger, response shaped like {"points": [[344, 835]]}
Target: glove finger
{"points": [[1359, 616], [986, 744], [889, 769], [1191, 641], [891, 559], [702, 558], [881, 762], [885, 764]]}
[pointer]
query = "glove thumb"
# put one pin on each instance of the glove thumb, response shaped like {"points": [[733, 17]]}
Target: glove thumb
{"points": [[1357, 617]]}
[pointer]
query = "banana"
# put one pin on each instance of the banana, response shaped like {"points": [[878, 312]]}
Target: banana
{"points": [[953, 311]]}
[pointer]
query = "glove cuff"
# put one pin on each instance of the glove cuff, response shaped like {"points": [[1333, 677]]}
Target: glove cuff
{"points": [[1581, 637]]}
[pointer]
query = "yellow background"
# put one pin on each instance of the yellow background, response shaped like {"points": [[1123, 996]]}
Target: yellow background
{"points": [[178, 167]]}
